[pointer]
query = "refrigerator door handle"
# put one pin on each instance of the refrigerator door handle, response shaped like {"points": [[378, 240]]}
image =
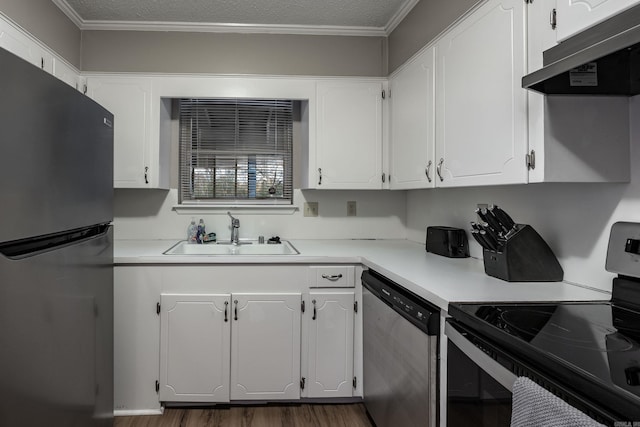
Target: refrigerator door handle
{"points": [[19, 249]]}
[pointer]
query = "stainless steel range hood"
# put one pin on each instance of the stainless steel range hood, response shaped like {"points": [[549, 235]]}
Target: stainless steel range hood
{"points": [[602, 60]]}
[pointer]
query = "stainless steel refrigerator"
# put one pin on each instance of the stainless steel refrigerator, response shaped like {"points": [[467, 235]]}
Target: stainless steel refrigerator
{"points": [[56, 255]]}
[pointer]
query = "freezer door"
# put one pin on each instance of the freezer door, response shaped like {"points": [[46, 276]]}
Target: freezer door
{"points": [[56, 335], [56, 154]]}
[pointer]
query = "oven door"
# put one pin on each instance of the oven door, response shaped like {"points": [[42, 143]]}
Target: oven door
{"points": [[478, 387]]}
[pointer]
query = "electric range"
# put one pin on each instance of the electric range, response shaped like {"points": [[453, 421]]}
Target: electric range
{"points": [[589, 351]]}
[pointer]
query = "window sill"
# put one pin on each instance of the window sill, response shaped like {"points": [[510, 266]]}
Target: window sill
{"points": [[237, 209]]}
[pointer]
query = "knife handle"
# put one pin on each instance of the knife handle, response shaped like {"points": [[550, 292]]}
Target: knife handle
{"points": [[481, 215], [493, 222], [504, 218], [491, 241], [482, 242]]}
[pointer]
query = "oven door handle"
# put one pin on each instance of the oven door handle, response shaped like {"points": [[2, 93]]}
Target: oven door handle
{"points": [[498, 372]]}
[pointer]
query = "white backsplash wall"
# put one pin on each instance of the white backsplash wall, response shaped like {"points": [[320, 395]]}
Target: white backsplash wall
{"points": [[149, 214], [574, 219]]}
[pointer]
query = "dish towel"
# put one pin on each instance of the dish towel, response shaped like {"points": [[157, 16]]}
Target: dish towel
{"points": [[534, 406]]}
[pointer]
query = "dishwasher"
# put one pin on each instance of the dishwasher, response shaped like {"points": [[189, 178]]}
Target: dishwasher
{"points": [[400, 357]]}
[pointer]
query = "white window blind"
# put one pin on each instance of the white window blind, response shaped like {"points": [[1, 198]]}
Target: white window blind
{"points": [[236, 150]]}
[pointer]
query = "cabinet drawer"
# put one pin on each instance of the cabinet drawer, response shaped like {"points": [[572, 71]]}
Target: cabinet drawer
{"points": [[332, 277]]}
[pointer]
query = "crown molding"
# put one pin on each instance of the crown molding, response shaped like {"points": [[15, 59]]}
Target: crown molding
{"points": [[334, 30], [206, 27], [70, 12], [399, 16]]}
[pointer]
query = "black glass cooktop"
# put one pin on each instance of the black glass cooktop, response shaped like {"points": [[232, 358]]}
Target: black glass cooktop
{"points": [[598, 342]]}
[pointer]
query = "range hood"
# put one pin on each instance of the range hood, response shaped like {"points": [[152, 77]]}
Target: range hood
{"points": [[602, 60]]}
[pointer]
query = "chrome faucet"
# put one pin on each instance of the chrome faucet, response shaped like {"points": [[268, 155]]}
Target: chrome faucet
{"points": [[235, 228]]}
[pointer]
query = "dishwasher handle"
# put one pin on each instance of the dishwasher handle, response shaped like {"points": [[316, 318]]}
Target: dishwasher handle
{"points": [[412, 307]]}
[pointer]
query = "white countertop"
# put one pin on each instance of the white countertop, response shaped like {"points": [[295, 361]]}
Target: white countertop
{"points": [[438, 279]]}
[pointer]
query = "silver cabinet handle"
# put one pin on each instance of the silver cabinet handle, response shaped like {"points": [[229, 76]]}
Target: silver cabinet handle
{"points": [[332, 277], [319, 176], [235, 310], [427, 170], [439, 169], [314, 309], [226, 308]]}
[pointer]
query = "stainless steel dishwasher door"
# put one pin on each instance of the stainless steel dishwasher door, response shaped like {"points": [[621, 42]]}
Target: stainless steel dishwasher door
{"points": [[400, 365]]}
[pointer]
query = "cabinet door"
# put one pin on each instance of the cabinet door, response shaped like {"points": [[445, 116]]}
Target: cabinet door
{"points": [[541, 35], [481, 121], [194, 348], [265, 346], [330, 329], [65, 73], [349, 135], [129, 99], [577, 15], [18, 43], [412, 124]]}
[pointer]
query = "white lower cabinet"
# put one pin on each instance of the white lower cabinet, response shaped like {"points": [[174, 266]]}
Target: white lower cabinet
{"points": [[181, 335], [265, 346], [229, 346], [329, 328], [194, 348]]}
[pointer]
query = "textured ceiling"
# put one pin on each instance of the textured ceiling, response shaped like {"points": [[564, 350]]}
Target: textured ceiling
{"points": [[349, 13]]}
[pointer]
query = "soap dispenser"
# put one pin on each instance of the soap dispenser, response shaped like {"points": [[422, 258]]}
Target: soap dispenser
{"points": [[201, 233], [192, 231]]}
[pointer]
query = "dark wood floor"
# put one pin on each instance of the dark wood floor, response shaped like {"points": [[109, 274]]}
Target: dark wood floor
{"points": [[304, 415]]}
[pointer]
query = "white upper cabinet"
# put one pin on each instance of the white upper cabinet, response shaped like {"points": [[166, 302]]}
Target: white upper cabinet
{"points": [[572, 138], [412, 98], [195, 337], [481, 108], [541, 32], [348, 152], [265, 346], [129, 99], [65, 73], [26, 47], [576, 15], [20, 44]]}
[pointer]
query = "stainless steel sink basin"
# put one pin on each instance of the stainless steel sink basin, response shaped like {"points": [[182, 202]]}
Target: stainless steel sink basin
{"points": [[246, 248]]}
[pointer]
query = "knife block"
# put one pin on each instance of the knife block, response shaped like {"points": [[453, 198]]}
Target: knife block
{"points": [[523, 257]]}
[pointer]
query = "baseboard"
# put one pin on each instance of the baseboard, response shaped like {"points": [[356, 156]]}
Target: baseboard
{"points": [[136, 412]]}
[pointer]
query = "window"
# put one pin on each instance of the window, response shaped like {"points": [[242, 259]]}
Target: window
{"points": [[236, 150]]}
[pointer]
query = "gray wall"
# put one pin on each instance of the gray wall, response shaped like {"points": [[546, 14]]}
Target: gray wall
{"points": [[48, 24], [425, 21], [180, 52]]}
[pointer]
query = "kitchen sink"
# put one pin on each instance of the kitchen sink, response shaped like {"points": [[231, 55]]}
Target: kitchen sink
{"points": [[245, 248]]}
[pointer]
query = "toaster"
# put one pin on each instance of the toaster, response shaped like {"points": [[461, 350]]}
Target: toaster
{"points": [[447, 241]]}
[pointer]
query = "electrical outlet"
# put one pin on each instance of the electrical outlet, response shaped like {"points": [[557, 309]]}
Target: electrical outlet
{"points": [[310, 208], [481, 206], [351, 208]]}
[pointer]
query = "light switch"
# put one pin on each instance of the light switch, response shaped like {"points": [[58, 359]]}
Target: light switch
{"points": [[310, 208], [351, 208]]}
